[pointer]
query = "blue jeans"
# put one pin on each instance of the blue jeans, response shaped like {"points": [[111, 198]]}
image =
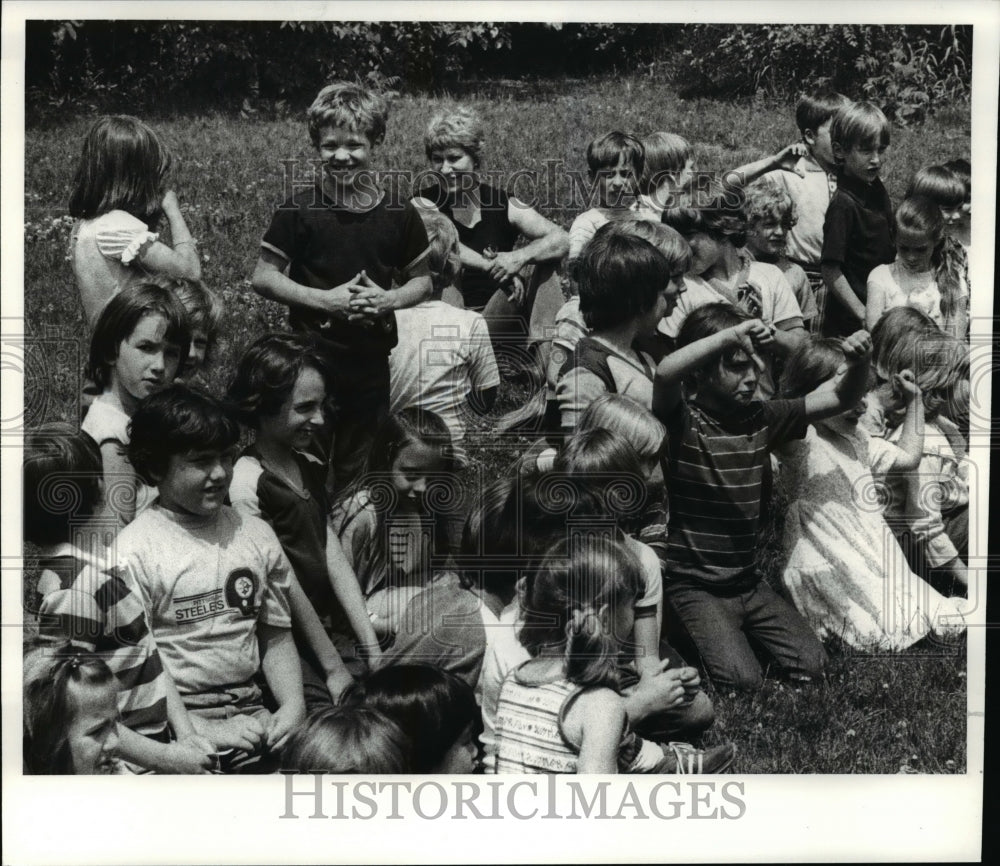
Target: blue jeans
{"points": [[719, 622]]}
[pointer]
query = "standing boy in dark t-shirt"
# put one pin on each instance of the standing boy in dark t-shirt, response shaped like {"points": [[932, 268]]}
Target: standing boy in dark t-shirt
{"points": [[859, 232], [718, 445], [333, 252]]}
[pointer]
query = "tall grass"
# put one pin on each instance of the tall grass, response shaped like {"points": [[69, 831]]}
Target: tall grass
{"points": [[874, 714]]}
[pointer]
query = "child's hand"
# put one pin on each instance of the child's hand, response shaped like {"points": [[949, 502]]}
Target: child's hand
{"points": [[192, 755], [691, 682], [337, 683], [787, 158], [368, 299], [661, 688], [857, 347], [170, 202], [905, 384], [285, 720], [239, 732], [749, 335]]}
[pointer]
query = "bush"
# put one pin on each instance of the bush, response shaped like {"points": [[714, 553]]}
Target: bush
{"points": [[906, 69]]}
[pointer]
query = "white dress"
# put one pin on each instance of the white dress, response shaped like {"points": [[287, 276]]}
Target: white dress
{"points": [[846, 572]]}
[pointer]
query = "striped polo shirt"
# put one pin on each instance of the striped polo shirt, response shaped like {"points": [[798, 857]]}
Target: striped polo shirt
{"points": [[715, 483], [96, 609]]}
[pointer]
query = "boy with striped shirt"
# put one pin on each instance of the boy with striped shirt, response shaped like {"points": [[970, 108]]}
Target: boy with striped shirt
{"points": [[96, 607], [718, 475]]}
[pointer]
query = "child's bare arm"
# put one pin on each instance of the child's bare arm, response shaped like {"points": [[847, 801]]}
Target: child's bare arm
{"points": [[646, 636], [786, 340], [369, 300], [306, 623], [180, 260], [674, 367], [601, 720], [911, 434], [822, 403], [120, 483], [784, 159], [283, 673], [837, 285], [270, 281], [347, 589]]}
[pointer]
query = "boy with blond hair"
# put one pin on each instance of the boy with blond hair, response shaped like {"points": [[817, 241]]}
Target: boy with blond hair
{"points": [[344, 258]]}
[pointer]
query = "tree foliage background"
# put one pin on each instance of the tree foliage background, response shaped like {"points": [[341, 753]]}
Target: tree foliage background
{"points": [[909, 70]]}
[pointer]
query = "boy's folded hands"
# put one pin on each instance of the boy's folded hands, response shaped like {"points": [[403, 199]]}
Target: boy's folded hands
{"points": [[368, 299]]}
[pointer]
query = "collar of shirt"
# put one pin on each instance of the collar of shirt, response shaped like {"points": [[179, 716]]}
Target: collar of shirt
{"points": [[865, 193], [333, 198]]}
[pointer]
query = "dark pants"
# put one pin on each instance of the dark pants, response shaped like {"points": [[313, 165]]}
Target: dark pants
{"points": [[360, 389], [719, 623]]}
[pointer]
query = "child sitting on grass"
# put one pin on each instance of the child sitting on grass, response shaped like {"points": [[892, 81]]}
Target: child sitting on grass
{"points": [[343, 258], [626, 286], [661, 693], [614, 165], [215, 584], [859, 232], [279, 391], [844, 572], [386, 521], [811, 184], [949, 192], [718, 441], [97, 608], [771, 216], [562, 711], [721, 270]]}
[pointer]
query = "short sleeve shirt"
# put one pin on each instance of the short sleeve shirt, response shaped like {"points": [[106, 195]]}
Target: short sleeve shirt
{"points": [[106, 424], [207, 584], [105, 255], [443, 355], [97, 608], [326, 245], [297, 516], [811, 188], [859, 235], [715, 481], [763, 292]]}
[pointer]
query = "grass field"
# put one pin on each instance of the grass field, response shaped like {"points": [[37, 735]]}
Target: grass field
{"points": [[875, 714]]}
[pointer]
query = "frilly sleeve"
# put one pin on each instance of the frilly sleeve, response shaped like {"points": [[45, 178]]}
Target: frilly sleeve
{"points": [[125, 240]]}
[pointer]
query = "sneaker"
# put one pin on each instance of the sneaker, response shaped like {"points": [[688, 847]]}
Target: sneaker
{"points": [[687, 759]]}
